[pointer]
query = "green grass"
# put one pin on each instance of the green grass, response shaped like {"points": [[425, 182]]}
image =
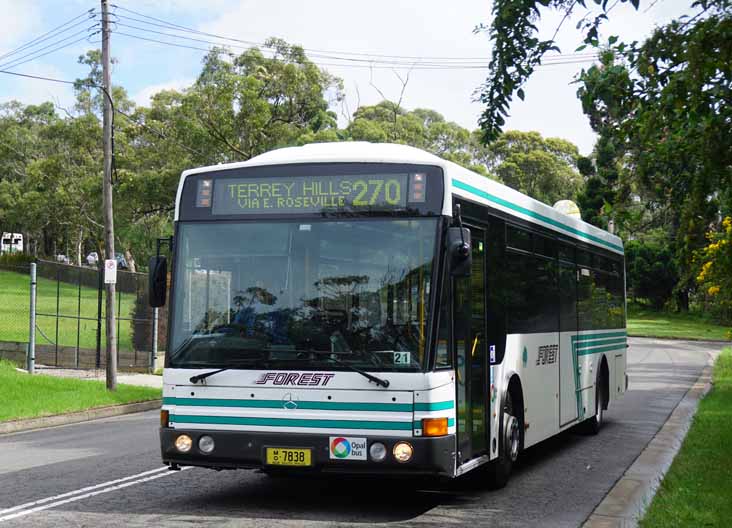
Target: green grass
{"points": [[697, 490], [643, 322], [14, 310], [28, 396]]}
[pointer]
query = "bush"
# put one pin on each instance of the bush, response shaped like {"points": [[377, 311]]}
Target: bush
{"points": [[15, 259], [651, 272]]}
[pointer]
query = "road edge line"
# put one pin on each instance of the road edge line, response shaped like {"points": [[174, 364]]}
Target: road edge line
{"points": [[87, 415], [627, 501]]}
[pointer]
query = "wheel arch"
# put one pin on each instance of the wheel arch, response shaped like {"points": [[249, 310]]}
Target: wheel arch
{"points": [[513, 386], [604, 375]]}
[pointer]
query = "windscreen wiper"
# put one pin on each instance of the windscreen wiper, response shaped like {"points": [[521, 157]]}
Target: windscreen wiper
{"points": [[373, 379], [201, 377]]}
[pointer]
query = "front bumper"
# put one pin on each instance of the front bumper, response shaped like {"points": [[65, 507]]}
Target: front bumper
{"points": [[246, 449]]}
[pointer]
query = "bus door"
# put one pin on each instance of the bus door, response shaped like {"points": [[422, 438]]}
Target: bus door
{"points": [[568, 374], [470, 352]]}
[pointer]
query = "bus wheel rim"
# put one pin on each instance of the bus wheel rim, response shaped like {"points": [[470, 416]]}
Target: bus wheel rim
{"points": [[513, 437]]}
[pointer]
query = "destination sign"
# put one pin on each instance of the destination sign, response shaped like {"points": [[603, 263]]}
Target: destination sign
{"points": [[313, 194]]}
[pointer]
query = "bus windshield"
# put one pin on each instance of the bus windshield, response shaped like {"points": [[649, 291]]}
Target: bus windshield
{"points": [[320, 294]]}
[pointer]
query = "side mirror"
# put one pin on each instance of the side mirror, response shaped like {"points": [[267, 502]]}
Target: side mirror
{"points": [[158, 281], [459, 251]]}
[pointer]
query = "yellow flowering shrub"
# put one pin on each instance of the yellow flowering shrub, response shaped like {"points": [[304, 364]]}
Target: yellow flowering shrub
{"points": [[715, 273]]}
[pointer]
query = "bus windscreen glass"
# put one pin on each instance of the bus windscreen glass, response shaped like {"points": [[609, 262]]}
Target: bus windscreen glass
{"points": [[314, 194]]}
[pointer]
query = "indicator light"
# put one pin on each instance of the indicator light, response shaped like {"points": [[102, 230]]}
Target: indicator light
{"points": [[434, 426]]}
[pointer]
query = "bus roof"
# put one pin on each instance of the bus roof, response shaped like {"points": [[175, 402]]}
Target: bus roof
{"points": [[459, 181]]}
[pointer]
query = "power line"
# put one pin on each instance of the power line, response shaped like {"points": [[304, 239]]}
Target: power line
{"points": [[49, 34], [375, 65], [466, 62], [310, 51], [35, 54], [39, 77]]}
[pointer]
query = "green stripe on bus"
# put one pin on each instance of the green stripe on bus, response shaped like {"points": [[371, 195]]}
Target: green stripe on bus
{"points": [[599, 349], [434, 406], [600, 342], [532, 214], [292, 422], [589, 337], [280, 404]]}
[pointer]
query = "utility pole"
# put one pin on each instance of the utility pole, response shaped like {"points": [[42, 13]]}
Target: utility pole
{"points": [[111, 347]]}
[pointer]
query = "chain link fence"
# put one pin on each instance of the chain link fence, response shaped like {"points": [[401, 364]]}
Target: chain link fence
{"points": [[70, 315]]}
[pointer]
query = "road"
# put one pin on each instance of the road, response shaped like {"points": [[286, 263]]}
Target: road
{"points": [[108, 472]]}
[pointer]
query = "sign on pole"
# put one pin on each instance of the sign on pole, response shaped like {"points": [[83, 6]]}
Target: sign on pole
{"points": [[110, 271]]}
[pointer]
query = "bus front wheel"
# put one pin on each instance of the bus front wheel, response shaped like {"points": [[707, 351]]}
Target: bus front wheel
{"points": [[510, 443]]}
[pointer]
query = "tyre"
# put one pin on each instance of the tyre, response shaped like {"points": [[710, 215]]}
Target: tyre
{"points": [[499, 470], [594, 424]]}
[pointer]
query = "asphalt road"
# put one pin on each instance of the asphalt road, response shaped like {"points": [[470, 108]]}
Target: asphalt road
{"points": [[108, 472]]}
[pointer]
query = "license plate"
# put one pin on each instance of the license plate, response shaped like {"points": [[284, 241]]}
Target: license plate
{"points": [[288, 456]]}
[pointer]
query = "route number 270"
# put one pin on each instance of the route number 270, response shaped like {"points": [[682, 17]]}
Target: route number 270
{"points": [[372, 192]]}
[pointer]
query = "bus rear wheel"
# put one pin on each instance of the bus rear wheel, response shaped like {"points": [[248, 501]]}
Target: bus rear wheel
{"points": [[499, 470], [594, 424]]}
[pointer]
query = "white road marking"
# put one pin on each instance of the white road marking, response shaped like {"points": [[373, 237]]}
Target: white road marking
{"points": [[84, 493]]}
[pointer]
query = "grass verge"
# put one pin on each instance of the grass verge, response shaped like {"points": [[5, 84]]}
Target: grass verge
{"points": [[643, 322], [14, 312], [26, 396], [697, 490]]}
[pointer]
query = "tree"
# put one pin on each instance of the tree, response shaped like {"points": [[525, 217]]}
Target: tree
{"points": [[651, 271], [517, 50], [668, 126], [543, 168], [242, 106]]}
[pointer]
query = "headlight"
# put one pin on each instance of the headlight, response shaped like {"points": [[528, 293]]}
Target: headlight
{"points": [[377, 451], [402, 452], [206, 444], [183, 443]]}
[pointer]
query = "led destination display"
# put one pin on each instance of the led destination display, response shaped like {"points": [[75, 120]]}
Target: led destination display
{"points": [[309, 194]]}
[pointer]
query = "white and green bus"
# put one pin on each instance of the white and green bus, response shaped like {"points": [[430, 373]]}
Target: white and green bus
{"points": [[372, 308]]}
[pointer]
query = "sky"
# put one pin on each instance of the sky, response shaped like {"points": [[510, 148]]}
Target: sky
{"points": [[405, 28]]}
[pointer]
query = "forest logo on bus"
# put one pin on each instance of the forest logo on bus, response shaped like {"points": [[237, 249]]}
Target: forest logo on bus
{"points": [[340, 447]]}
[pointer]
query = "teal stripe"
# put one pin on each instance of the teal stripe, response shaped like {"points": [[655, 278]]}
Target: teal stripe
{"points": [[600, 349], [532, 214], [292, 422], [418, 423], [279, 404], [599, 342], [589, 337], [434, 406]]}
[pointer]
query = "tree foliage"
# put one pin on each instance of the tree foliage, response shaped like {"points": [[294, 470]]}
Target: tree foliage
{"points": [[517, 50], [238, 107]]}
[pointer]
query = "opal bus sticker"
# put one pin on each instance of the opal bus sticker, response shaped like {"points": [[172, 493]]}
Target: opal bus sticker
{"points": [[347, 448]]}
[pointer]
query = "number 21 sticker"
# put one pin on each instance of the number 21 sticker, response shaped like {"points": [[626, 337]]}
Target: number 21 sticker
{"points": [[402, 358]]}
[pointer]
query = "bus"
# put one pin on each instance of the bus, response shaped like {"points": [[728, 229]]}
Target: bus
{"points": [[373, 308], [11, 243]]}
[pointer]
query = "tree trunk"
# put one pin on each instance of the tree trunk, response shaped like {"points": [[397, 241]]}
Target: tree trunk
{"points": [[682, 300], [79, 242], [130, 261]]}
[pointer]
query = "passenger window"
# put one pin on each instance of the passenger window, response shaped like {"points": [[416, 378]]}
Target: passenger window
{"points": [[518, 239]]}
